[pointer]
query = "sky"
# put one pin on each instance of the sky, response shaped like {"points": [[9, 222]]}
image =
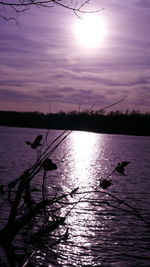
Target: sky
{"points": [[46, 67]]}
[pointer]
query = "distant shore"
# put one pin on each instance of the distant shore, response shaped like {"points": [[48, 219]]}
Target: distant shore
{"points": [[129, 123]]}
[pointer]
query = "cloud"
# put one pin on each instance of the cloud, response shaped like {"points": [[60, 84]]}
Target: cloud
{"points": [[74, 95], [41, 59], [143, 3], [12, 83], [14, 95], [111, 78]]}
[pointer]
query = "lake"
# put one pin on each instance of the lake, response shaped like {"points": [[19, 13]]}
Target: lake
{"points": [[101, 231]]}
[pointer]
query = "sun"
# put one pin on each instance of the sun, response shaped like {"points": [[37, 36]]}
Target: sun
{"points": [[90, 30]]}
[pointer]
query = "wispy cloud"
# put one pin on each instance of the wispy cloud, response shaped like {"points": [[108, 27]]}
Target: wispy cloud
{"points": [[42, 59], [143, 3]]}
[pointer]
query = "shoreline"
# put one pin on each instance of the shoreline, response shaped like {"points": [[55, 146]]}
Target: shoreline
{"points": [[82, 130], [136, 124]]}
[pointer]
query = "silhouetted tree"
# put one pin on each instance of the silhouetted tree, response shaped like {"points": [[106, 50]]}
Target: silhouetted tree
{"points": [[9, 9], [131, 122]]}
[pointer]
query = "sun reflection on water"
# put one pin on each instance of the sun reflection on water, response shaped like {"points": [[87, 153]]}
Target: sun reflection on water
{"points": [[87, 222], [82, 221], [83, 157]]}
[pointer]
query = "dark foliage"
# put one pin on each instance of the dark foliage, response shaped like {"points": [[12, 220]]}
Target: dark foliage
{"points": [[40, 218], [131, 123], [121, 167]]}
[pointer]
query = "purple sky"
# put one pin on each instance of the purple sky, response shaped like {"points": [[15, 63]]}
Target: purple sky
{"points": [[42, 60]]}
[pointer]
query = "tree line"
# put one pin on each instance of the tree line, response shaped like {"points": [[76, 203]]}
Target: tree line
{"points": [[115, 122]]}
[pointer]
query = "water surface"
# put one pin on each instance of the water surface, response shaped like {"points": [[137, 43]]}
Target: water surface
{"points": [[99, 234]]}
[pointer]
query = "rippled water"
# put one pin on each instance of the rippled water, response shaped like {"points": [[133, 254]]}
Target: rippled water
{"points": [[99, 234]]}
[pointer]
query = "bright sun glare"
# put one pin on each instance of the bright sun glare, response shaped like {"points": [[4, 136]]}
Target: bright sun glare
{"points": [[90, 30]]}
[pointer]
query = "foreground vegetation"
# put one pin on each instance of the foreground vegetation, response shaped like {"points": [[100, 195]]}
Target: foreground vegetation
{"points": [[130, 122], [36, 214]]}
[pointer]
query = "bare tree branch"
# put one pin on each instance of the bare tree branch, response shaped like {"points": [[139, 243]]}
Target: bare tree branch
{"points": [[102, 109], [19, 6]]}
